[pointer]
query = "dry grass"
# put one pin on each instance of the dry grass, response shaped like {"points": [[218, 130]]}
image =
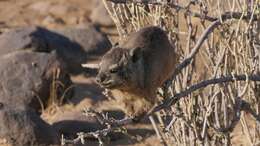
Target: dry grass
{"points": [[58, 93], [209, 116]]}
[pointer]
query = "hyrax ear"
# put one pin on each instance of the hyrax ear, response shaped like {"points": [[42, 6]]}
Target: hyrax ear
{"points": [[116, 44], [136, 54]]}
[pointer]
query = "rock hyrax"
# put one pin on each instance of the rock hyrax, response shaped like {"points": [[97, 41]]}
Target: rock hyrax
{"points": [[135, 69]]}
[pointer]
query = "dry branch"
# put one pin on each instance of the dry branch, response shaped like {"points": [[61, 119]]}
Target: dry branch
{"points": [[227, 15], [231, 78], [196, 48], [99, 133], [115, 124], [198, 45], [215, 23], [240, 105]]}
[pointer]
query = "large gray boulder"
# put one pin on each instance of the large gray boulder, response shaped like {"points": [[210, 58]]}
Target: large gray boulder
{"points": [[94, 43], [23, 127], [23, 38], [27, 79], [75, 45]]}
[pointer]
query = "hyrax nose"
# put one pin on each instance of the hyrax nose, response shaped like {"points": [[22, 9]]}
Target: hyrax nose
{"points": [[101, 78]]}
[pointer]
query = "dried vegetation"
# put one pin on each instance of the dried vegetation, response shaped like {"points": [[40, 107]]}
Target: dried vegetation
{"points": [[214, 96]]}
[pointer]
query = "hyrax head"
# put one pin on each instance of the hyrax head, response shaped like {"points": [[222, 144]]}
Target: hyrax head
{"points": [[120, 68]]}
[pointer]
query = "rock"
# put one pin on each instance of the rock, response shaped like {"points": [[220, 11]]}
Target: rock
{"points": [[27, 79], [75, 45], [23, 127], [70, 123], [101, 17], [92, 41], [23, 38]]}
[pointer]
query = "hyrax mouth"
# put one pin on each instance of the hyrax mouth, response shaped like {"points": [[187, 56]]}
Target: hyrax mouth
{"points": [[108, 84]]}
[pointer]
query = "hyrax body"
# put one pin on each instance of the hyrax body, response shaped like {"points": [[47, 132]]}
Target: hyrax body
{"points": [[136, 68]]}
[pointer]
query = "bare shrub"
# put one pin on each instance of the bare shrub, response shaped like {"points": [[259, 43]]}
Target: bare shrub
{"points": [[214, 96]]}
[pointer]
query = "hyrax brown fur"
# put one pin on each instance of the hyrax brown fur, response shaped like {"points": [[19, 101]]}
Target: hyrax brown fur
{"points": [[136, 68]]}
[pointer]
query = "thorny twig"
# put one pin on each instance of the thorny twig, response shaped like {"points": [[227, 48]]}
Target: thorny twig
{"points": [[197, 46], [240, 105], [111, 125], [115, 124], [227, 15], [172, 100], [195, 50], [215, 23]]}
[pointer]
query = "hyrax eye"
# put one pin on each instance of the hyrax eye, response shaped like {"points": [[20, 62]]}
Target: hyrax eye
{"points": [[114, 70]]}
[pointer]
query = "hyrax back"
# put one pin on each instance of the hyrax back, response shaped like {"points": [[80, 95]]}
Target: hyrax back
{"points": [[137, 67]]}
